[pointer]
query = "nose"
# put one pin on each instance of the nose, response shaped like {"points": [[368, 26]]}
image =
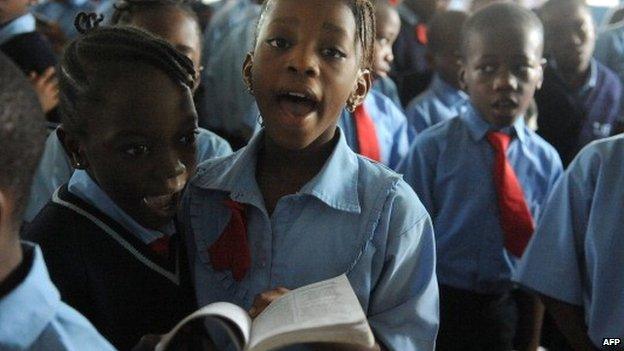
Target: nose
{"points": [[505, 80], [173, 172], [304, 60]]}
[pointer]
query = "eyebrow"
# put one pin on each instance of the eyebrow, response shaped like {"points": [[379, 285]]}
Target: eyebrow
{"points": [[285, 20], [330, 27]]}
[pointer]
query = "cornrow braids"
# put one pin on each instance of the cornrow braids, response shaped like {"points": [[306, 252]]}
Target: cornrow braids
{"points": [[87, 62], [125, 10], [364, 13]]}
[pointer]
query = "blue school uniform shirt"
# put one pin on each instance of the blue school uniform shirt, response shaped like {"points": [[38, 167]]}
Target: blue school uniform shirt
{"points": [[228, 105], [610, 49], [55, 167], [450, 167], [393, 133], [63, 13], [229, 16], [576, 255], [355, 217], [387, 87], [33, 317], [439, 102], [20, 25]]}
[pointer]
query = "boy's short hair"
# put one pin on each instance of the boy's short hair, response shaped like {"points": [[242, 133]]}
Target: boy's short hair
{"points": [[503, 14], [443, 24], [553, 5], [22, 134], [364, 13]]}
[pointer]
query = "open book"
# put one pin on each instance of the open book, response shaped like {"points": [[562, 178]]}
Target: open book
{"points": [[326, 311]]}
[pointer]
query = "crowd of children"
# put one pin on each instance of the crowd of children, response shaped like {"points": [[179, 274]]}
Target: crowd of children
{"points": [[386, 140]]}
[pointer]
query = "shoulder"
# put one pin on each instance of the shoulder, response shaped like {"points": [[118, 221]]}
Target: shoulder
{"points": [[608, 76], [540, 147], [391, 193], [422, 102], [213, 169], [210, 145], [601, 154], [440, 134], [385, 106]]}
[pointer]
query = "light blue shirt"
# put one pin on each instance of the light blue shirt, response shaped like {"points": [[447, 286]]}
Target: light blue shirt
{"points": [[229, 16], [450, 166], [391, 127], [20, 25], [55, 167], [229, 105], [33, 317], [63, 13], [355, 217], [610, 49], [439, 102], [577, 253]]}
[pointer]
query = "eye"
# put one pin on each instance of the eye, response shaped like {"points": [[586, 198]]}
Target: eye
{"points": [[279, 43], [190, 138], [487, 68], [137, 150], [334, 53]]}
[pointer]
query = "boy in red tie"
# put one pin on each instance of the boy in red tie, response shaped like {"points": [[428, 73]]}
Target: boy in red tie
{"points": [[483, 177]]}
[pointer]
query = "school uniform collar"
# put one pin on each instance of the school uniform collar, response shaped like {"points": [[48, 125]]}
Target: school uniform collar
{"points": [[81, 185], [479, 127], [27, 310], [335, 185], [589, 84], [19, 25], [448, 94]]}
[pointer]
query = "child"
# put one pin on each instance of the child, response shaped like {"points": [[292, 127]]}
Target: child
{"points": [[411, 70], [31, 51], [483, 177], [443, 99], [296, 204], [129, 127], [388, 28], [175, 22], [581, 283], [580, 99], [378, 128], [32, 316]]}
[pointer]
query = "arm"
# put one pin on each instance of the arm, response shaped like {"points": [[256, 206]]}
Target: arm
{"points": [[530, 317], [571, 321]]}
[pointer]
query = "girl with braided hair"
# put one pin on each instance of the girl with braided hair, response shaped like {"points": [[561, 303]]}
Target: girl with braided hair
{"points": [[296, 205], [109, 236]]}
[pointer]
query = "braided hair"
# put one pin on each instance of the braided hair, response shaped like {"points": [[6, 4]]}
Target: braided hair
{"points": [[125, 10], [364, 13], [87, 63]]}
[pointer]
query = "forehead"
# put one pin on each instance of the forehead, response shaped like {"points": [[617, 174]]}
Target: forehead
{"points": [[170, 23], [565, 14], [332, 17], [145, 99], [506, 43], [388, 17]]}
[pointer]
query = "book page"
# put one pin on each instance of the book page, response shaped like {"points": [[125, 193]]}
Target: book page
{"points": [[224, 310], [327, 303]]}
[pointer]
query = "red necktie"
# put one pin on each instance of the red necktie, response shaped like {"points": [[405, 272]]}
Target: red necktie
{"points": [[366, 134], [160, 246], [421, 33], [231, 250], [515, 217]]}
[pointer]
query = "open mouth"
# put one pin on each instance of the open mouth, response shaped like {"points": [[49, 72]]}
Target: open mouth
{"points": [[297, 103], [162, 203], [505, 104]]}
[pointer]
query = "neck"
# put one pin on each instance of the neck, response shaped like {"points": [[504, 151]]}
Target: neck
{"points": [[282, 160], [10, 254], [575, 78]]}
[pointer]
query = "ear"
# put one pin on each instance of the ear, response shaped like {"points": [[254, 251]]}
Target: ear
{"points": [[541, 68], [362, 86], [247, 69], [73, 148], [5, 208], [462, 76]]}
